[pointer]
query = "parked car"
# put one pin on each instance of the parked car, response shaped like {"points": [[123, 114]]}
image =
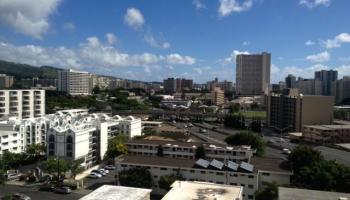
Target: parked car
{"points": [[99, 172], [203, 130], [12, 176], [190, 125], [286, 151], [104, 170], [109, 167], [63, 190], [47, 187], [20, 196], [94, 175], [45, 178]]}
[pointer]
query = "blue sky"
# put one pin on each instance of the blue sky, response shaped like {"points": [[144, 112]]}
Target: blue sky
{"points": [[151, 40]]}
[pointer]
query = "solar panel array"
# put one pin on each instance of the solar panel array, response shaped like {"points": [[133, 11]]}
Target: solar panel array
{"points": [[217, 164], [230, 165], [247, 166], [203, 163]]}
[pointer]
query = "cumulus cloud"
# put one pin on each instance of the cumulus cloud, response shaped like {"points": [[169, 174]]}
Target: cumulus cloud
{"points": [[315, 3], [336, 41], [111, 38], [227, 7], [320, 57], [28, 17], [156, 42], [201, 70], [232, 57], [134, 18], [198, 4], [69, 26], [309, 43], [246, 43], [91, 53]]}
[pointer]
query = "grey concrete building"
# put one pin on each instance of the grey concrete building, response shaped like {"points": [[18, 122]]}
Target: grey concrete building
{"points": [[327, 77]]}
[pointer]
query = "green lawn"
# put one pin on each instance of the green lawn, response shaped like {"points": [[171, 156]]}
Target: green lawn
{"points": [[250, 114]]}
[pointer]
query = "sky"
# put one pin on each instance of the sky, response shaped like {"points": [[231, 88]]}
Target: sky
{"points": [[150, 40]]}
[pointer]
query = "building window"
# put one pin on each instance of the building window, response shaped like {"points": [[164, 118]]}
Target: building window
{"points": [[69, 146], [51, 145]]}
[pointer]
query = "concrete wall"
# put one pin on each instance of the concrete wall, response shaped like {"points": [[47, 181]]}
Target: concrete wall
{"points": [[317, 110]]}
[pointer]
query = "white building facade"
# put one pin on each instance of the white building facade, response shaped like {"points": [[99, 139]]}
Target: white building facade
{"points": [[22, 103], [74, 82]]}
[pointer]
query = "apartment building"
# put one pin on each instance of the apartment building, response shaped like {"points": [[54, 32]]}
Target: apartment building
{"points": [[309, 86], [290, 111], [16, 135], [327, 77], [113, 192], [6, 81], [187, 150], [291, 81], [341, 89], [253, 73], [217, 96], [74, 82], [251, 176], [22, 103], [172, 85], [327, 134]]}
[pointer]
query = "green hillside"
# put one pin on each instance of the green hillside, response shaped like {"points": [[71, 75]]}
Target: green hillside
{"points": [[27, 71]]}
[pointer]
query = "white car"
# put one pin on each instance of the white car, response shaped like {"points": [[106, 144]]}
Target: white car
{"points": [[104, 170], [286, 151], [93, 175], [109, 167]]}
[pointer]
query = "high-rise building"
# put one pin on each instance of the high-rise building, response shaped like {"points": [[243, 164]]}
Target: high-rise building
{"points": [[6, 81], [22, 103], [217, 96], [291, 81], [74, 82], [309, 86], [290, 111], [253, 73], [327, 77], [341, 89], [172, 85]]}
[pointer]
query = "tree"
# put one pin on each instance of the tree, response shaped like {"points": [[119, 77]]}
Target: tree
{"points": [[247, 138], [270, 192], [96, 90], [160, 150], [11, 160], [136, 177], [75, 168], [234, 108], [59, 166], [302, 156], [166, 181], [200, 152], [36, 149], [2, 177], [116, 146], [235, 121], [255, 126]]}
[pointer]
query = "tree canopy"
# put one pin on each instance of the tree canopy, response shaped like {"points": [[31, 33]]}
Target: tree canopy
{"points": [[269, 192], [136, 177], [116, 146], [200, 152], [247, 138]]}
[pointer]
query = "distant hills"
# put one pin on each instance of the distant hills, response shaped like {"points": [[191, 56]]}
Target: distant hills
{"points": [[27, 71]]}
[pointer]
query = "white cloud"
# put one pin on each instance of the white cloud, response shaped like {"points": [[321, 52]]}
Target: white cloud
{"points": [[111, 38], [201, 70], [309, 43], [69, 26], [179, 59], [91, 54], [343, 70], [134, 18], [232, 57], [320, 57], [198, 4], [336, 41], [28, 17], [246, 43], [157, 43], [227, 7], [344, 59], [315, 3], [280, 73]]}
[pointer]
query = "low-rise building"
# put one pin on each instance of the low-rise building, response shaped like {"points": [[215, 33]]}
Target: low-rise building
{"points": [[327, 134], [111, 192], [250, 176], [187, 150], [189, 190], [295, 193]]}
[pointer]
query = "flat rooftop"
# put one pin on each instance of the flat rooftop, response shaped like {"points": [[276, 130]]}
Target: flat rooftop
{"points": [[295, 194], [112, 192], [188, 190], [328, 127]]}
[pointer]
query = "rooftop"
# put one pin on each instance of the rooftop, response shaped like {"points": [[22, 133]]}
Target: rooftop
{"points": [[294, 194], [328, 127], [111, 192], [187, 190]]}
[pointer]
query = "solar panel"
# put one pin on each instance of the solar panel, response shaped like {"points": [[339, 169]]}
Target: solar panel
{"points": [[203, 163], [247, 166], [217, 164], [232, 165]]}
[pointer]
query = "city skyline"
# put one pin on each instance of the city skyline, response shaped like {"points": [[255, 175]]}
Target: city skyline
{"points": [[139, 41]]}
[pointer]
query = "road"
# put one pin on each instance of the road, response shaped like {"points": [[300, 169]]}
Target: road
{"points": [[340, 156]]}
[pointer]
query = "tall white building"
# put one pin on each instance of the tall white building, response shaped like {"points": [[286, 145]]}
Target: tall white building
{"points": [[22, 103], [253, 73], [74, 82]]}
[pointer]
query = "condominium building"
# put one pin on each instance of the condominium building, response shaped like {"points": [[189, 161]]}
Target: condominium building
{"points": [[16, 135], [5, 81], [217, 96], [309, 86], [74, 82], [327, 77], [253, 73], [22, 103], [341, 89], [172, 85], [291, 81], [103, 82], [327, 134], [187, 150], [290, 111], [251, 176]]}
